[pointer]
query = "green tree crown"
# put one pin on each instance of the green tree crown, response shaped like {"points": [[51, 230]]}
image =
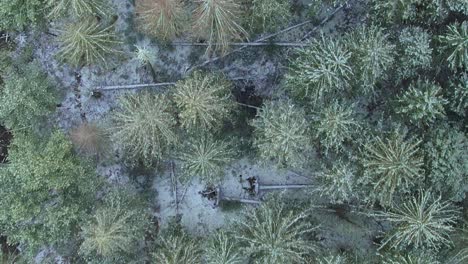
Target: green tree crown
{"points": [[320, 69], [422, 103], [46, 191], [204, 101], [421, 222], [144, 127], [282, 133], [392, 166]]}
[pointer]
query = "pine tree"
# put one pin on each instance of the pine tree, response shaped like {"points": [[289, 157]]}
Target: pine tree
{"points": [[144, 127], [28, 95], [339, 183], [320, 70], [46, 191], [116, 228], [274, 235], [219, 22], [372, 56], [392, 166], [422, 103], [447, 161], [161, 18], [424, 221], [177, 248], [87, 42], [335, 124], [282, 133], [458, 94], [415, 51], [204, 101], [205, 157], [222, 249], [78, 8], [269, 15], [455, 41]]}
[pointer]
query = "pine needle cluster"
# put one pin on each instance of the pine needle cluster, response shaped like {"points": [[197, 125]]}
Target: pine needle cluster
{"points": [[87, 42], [144, 126], [222, 249], [459, 95], [108, 234], [418, 258], [456, 42], [421, 222], [274, 235], [26, 97], [219, 22], [335, 124], [320, 70], [205, 157], [269, 15], [392, 166], [447, 162], [338, 184], [372, 55], [422, 103], [415, 51], [282, 133], [116, 228], [77, 8], [177, 248], [161, 18], [203, 101]]}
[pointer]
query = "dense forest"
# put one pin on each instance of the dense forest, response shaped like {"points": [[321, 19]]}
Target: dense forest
{"points": [[234, 131]]}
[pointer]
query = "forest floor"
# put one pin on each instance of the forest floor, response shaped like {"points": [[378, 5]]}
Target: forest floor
{"points": [[256, 71]]}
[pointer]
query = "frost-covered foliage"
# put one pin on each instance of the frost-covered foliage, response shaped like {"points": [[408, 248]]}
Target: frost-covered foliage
{"points": [[222, 249], [90, 139], [333, 259], [87, 42], [455, 41], [424, 221], [339, 183], [108, 235], [458, 6], [417, 258], [205, 157], [392, 166], [164, 19], [177, 248], [407, 11], [447, 162], [26, 97], [269, 15], [422, 103], [219, 22], [415, 51], [19, 14], [77, 8], [46, 191], [116, 228], [145, 55], [372, 55], [144, 127], [319, 70], [334, 124], [203, 101], [272, 234], [459, 95], [282, 133]]}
